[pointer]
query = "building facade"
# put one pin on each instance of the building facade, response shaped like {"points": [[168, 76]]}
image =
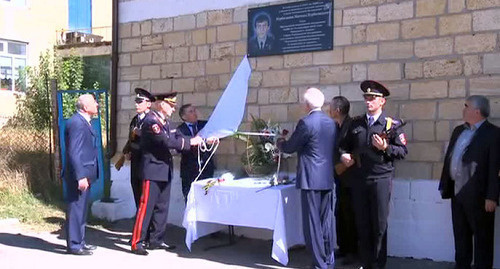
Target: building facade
{"points": [[29, 27], [431, 54]]}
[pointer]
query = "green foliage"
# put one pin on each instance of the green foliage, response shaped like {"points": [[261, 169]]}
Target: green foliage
{"points": [[35, 109], [259, 157]]}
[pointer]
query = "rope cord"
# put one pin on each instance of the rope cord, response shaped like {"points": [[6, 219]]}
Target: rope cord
{"points": [[204, 148]]}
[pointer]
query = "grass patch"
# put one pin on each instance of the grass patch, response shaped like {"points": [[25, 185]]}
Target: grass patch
{"points": [[30, 210]]}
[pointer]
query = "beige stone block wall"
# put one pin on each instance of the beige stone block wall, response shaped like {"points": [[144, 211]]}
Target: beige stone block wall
{"points": [[431, 54]]}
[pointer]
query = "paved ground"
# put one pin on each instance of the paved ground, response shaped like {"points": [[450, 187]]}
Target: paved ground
{"points": [[22, 248]]}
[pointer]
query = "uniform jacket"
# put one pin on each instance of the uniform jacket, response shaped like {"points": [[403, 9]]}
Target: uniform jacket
{"points": [[481, 161], [370, 161], [81, 150], [314, 142], [133, 145], [156, 141], [189, 159]]}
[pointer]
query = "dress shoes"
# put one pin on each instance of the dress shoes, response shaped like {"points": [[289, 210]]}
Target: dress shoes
{"points": [[164, 246], [89, 247], [80, 252], [140, 251]]}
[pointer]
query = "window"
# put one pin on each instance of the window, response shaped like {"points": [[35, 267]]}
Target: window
{"points": [[12, 65], [80, 15]]}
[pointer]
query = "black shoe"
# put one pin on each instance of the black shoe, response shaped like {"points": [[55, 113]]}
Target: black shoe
{"points": [[338, 254], [89, 247], [164, 246], [80, 252], [348, 259], [140, 251]]}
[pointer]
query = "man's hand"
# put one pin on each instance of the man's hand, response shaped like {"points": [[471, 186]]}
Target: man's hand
{"points": [[128, 156], [195, 141], [379, 142], [347, 159], [490, 205], [212, 140], [83, 184]]}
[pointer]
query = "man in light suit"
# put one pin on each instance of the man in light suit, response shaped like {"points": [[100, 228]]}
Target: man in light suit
{"points": [[470, 178], [314, 141], [80, 171], [189, 161]]}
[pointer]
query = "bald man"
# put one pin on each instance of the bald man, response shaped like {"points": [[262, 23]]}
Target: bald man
{"points": [[314, 141], [80, 171]]}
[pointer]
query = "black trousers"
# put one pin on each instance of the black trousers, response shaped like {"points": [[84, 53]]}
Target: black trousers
{"points": [[135, 179], [370, 200], [472, 226], [76, 215], [152, 213], [317, 220], [347, 238]]}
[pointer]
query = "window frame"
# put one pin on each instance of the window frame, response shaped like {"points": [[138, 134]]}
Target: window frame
{"points": [[13, 57]]}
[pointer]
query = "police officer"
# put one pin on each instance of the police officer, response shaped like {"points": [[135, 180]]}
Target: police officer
{"points": [[132, 150], [156, 141], [374, 142]]}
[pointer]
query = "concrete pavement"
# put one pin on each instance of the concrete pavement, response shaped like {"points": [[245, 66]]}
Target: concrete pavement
{"points": [[22, 248]]}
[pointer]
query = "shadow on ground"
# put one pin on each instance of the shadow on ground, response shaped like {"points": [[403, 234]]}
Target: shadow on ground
{"points": [[30, 242], [251, 253]]}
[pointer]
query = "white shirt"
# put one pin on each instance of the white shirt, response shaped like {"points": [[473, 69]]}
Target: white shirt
{"points": [[85, 115], [316, 109]]}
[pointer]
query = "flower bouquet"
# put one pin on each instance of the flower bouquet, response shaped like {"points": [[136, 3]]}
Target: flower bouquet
{"points": [[261, 156]]}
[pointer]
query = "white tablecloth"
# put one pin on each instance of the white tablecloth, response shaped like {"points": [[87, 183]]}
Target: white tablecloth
{"points": [[238, 203]]}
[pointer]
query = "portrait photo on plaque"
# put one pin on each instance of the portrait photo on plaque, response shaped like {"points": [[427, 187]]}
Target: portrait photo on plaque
{"points": [[290, 28]]}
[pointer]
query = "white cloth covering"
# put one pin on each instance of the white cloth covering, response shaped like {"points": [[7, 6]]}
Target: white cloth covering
{"points": [[238, 203]]}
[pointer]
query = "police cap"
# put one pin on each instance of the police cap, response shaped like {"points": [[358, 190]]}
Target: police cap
{"points": [[143, 95], [371, 87], [170, 98]]}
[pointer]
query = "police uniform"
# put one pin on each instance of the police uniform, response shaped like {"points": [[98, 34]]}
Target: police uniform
{"points": [[132, 146], [371, 186], [156, 141]]}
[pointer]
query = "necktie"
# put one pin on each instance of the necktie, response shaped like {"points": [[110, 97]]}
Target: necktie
{"points": [[192, 128], [195, 129], [261, 45], [370, 121]]}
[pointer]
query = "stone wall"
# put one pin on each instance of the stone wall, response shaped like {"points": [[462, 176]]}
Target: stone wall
{"points": [[430, 53]]}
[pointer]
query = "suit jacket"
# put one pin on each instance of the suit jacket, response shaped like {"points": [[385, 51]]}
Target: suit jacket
{"points": [[189, 159], [81, 150], [481, 161], [254, 47], [156, 141], [314, 142], [341, 136]]}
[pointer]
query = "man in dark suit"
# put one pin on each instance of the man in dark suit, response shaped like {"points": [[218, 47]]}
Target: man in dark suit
{"points": [[189, 160], [470, 178], [344, 215], [80, 171], [262, 42], [156, 141], [374, 141], [314, 141], [132, 149]]}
